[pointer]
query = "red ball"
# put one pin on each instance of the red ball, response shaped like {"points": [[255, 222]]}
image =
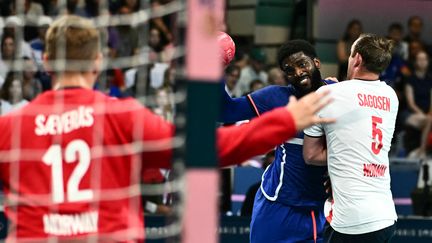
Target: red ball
{"points": [[226, 46]]}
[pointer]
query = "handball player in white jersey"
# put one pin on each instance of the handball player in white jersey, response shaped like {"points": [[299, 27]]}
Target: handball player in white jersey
{"points": [[356, 147]]}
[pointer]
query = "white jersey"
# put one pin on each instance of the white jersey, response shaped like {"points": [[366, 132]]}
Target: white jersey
{"points": [[357, 154]]}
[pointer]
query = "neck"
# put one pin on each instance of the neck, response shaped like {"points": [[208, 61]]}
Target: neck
{"points": [[366, 76], [84, 80]]}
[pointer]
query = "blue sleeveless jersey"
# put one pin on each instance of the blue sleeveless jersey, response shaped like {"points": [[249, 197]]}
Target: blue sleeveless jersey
{"points": [[288, 179]]}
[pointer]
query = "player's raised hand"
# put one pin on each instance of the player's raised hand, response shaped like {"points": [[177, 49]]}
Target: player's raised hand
{"points": [[304, 110]]}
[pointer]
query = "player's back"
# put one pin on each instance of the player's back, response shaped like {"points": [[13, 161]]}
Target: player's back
{"points": [[358, 145], [74, 160]]}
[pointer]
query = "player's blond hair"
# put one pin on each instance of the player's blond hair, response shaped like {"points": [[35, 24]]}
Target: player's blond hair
{"points": [[376, 52], [72, 39]]}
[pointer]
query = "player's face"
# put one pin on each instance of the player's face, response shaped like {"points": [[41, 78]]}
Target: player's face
{"points": [[301, 71]]}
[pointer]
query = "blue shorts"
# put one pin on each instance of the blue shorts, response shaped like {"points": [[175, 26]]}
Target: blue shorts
{"points": [[279, 223]]}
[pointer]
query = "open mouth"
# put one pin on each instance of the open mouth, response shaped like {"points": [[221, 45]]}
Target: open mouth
{"points": [[303, 80]]}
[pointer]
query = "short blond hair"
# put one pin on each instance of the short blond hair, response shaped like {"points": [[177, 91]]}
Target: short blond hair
{"points": [[376, 52], [73, 39]]}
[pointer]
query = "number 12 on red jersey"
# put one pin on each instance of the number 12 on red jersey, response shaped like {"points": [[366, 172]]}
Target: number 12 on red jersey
{"points": [[54, 158]]}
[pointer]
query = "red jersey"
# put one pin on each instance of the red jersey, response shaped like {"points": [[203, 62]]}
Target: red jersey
{"points": [[73, 159]]}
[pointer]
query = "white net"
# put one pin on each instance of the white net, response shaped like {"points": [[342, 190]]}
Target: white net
{"points": [[143, 49]]}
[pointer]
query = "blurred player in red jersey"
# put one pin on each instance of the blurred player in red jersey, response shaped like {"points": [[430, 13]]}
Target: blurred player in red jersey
{"points": [[72, 160]]}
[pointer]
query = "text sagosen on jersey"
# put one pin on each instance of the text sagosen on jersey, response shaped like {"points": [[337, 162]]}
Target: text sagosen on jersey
{"points": [[64, 123], [373, 101]]}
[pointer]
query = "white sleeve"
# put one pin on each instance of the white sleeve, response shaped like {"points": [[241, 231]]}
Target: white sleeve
{"points": [[318, 129], [314, 131]]}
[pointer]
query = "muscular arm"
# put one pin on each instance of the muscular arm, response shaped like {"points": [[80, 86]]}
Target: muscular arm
{"points": [[238, 143], [235, 144], [315, 150], [235, 109]]}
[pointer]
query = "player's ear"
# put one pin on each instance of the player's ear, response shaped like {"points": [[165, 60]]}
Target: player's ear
{"points": [[357, 60], [46, 63], [98, 63], [317, 63]]}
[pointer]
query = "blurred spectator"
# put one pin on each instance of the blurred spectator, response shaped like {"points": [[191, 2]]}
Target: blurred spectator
{"points": [[12, 93], [129, 6], [395, 33], [418, 94], [157, 75], [241, 58], [33, 10], [256, 85], [73, 8], [163, 24], [161, 48], [414, 47], [93, 8], [31, 85], [232, 75], [113, 41], [155, 204], [6, 7], [352, 32], [115, 82], [38, 44], [13, 25], [128, 41], [130, 76], [164, 99], [398, 69], [276, 77], [415, 29], [255, 70], [8, 49], [169, 78]]}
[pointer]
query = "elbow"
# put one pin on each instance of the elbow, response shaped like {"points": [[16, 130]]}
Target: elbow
{"points": [[313, 159], [309, 158]]}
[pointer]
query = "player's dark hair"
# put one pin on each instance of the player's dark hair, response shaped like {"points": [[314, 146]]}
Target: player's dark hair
{"points": [[294, 46], [375, 51]]}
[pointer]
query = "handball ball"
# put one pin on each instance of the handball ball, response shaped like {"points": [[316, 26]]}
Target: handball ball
{"points": [[226, 47]]}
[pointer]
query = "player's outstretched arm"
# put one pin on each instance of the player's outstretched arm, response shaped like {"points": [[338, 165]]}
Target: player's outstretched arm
{"points": [[238, 143], [235, 109], [304, 110]]}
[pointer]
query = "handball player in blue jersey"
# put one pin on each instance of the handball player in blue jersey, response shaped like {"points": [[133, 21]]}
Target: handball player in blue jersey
{"points": [[289, 204]]}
